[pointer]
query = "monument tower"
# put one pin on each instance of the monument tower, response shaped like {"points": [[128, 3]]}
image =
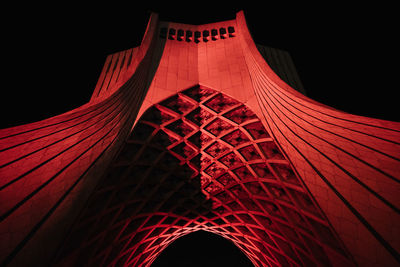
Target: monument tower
{"points": [[199, 128]]}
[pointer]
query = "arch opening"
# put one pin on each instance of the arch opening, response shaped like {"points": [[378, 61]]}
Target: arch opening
{"points": [[202, 248], [201, 160]]}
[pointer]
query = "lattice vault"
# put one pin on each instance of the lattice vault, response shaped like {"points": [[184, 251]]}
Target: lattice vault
{"points": [[203, 161], [196, 129]]}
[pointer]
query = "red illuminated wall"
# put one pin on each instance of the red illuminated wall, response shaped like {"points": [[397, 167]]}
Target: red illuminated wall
{"points": [[187, 133]]}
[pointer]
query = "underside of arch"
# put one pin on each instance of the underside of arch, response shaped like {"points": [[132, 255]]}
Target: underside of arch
{"points": [[200, 249], [201, 160]]}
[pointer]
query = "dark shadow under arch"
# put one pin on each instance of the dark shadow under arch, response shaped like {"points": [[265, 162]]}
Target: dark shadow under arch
{"points": [[201, 160], [201, 249]]}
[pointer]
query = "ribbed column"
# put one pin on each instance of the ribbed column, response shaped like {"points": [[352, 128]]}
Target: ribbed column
{"points": [[349, 163]]}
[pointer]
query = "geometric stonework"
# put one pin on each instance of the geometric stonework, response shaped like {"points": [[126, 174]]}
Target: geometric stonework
{"points": [[198, 128], [201, 160]]}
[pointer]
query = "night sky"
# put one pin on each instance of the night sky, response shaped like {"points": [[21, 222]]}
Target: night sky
{"points": [[346, 56]]}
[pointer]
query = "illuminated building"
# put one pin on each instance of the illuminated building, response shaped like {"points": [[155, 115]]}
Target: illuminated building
{"points": [[199, 128]]}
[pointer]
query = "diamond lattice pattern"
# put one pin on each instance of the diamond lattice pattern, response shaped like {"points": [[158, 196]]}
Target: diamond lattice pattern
{"points": [[201, 160]]}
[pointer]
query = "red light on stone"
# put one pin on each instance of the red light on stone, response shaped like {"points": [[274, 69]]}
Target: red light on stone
{"points": [[230, 181], [214, 34], [180, 137]]}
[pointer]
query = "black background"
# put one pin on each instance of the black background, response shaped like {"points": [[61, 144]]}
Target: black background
{"points": [[202, 249], [347, 56], [52, 55]]}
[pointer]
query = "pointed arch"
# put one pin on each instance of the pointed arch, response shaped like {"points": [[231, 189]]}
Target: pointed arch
{"points": [[200, 160]]}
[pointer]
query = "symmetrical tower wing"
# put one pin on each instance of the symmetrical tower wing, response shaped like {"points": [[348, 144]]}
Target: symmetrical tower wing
{"points": [[198, 128]]}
